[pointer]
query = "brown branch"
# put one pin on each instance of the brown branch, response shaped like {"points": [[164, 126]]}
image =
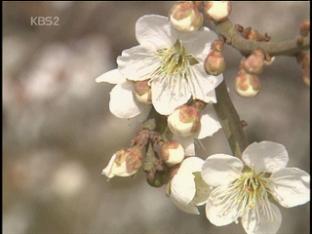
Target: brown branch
{"points": [[288, 47], [230, 121]]}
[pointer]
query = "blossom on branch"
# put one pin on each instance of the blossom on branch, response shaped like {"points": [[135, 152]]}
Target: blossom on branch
{"points": [[170, 61], [247, 190]]}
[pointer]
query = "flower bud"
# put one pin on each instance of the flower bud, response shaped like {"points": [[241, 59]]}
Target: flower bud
{"points": [[198, 104], [304, 60], [124, 163], [217, 45], [172, 153], [142, 92], [254, 63], [186, 17], [214, 63], [217, 10], [247, 85], [184, 121], [305, 28]]}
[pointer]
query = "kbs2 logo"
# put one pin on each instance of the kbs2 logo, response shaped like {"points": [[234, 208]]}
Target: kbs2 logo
{"points": [[44, 21]]}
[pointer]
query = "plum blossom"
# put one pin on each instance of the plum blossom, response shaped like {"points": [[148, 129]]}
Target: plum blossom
{"points": [[186, 189], [248, 191], [171, 62]]}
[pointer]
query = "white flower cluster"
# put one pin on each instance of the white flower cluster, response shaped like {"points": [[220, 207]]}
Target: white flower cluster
{"points": [[166, 72]]}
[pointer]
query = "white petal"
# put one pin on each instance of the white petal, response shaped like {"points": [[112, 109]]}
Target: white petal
{"points": [[182, 188], [112, 77], [122, 102], [221, 169], [265, 156], [190, 209], [202, 85], [216, 210], [187, 143], [259, 221], [107, 171], [137, 63], [154, 32], [291, 187], [202, 190], [197, 43], [169, 93], [190, 165], [209, 123]]}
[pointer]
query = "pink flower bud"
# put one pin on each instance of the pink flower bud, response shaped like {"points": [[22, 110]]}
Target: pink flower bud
{"points": [[185, 17], [142, 91], [184, 121], [217, 45], [254, 63], [305, 28], [172, 153], [214, 63], [217, 10], [247, 85], [124, 163]]}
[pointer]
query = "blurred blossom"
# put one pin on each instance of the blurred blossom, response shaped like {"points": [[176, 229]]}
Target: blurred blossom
{"points": [[69, 179], [17, 219]]}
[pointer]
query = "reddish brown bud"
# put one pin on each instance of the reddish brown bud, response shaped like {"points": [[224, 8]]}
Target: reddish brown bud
{"points": [[184, 121], [254, 63], [124, 163], [305, 28], [214, 63], [143, 92], [304, 60], [199, 105], [185, 16], [247, 85], [217, 45], [172, 153]]}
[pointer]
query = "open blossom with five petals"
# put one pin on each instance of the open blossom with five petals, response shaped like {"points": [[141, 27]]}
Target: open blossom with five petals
{"points": [[187, 190], [247, 192], [171, 61]]}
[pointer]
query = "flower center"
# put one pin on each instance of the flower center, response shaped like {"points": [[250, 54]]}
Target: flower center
{"points": [[175, 60], [250, 188], [249, 191]]}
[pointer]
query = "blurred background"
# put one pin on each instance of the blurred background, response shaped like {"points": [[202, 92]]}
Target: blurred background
{"points": [[58, 133]]}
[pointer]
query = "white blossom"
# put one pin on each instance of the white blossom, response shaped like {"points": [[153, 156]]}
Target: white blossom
{"points": [[247, 191], [186, 189], [171, 61]]}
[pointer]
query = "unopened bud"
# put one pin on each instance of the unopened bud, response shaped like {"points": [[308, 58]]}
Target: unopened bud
{"points": [[186, 17], [214, 63], [172, 153], [217, 10], [184, 121], [305, 28], [198, 104], [247, 85], [142, 92], [124, 163], [217, 45], [304, 60], [254, 63]]}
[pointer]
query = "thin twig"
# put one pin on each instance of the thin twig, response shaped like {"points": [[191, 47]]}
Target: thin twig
{"points": [[230, 121], [288, 47]]}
